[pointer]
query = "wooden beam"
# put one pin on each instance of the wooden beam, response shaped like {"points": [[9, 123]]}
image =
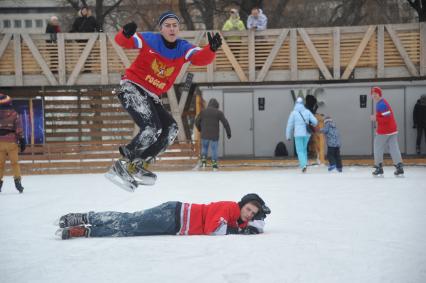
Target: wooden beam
{"points": [[119, 51], [423, 49], [234, 63], [104, 58], [398, 44], [174, 108], [293, 55], [251, 58], [18, 59], [271, 57], [185, 67], [80, 63], [4, 43], [380, 51], [358, 52], [40, 60], [336, 53], [317, 58], [62, 72], [210, 72]]}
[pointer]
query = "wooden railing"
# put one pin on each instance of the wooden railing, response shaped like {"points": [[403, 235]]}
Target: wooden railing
{"points": [[390, 51]]}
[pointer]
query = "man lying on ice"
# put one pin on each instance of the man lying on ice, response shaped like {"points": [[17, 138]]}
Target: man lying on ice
{"points": [[171, 218]]}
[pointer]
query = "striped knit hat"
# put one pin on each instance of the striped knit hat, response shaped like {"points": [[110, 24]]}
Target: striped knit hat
{"points": [[167, 15]]}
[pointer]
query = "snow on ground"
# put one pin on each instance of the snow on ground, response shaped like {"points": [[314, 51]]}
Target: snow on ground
{"points": [[324, 227]]}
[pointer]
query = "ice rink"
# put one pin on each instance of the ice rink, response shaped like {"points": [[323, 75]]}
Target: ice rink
{"points": [[324, 227]]}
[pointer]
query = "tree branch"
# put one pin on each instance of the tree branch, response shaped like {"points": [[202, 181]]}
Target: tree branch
{"points": [[112, 8]]}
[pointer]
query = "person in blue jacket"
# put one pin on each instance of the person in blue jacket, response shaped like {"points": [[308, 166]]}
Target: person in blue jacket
{"points": [[297, 125]]}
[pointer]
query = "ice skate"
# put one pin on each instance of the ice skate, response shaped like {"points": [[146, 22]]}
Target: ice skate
{"points": [[214, 165], [378, 170], [18, 185], [119, 175], [203, 162], [73, 232], [331, 168], [73, 219], [399, 172], [304, 169], [139, 171]]}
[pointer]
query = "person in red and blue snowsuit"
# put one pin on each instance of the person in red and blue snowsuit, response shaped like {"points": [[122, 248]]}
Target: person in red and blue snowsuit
{"points": [[386, 134], [153, 72]]}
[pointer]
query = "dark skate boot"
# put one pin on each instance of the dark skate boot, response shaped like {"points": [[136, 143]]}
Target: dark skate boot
{"points": [[1, 184], [125, 152], [418, 150], [75, 231], [203, 162], [138, 169], [304, 169], [214, 165], [73, 219], [18, 185], [378, 170], [399, 172]]}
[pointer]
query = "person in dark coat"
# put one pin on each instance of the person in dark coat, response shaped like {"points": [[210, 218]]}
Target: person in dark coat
{"points": [[419, 118], [11, 140], [207, 122], [85, 22], [53, 28]]}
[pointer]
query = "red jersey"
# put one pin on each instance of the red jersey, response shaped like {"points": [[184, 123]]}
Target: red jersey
{"points": [[209, 219], [157, 66], [386, 124]]}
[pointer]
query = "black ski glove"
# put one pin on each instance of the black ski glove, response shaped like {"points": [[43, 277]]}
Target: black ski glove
{"points": [[129, 29], [215, 41], [22, 144], [249, 230]]}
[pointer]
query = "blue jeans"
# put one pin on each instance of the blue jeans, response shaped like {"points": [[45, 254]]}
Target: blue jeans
{"points": [[159, 220], [302, 150], [205, 148]]}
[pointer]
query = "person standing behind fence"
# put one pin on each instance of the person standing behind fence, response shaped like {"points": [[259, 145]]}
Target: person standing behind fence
{"points": [[333, 144], [297, 123], [11, 140], [257, 20], [207, 122], [233, 23], [386, 134], [419, 119], [53, 28], [85, 22]]}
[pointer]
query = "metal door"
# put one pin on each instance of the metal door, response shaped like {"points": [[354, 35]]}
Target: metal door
{"points": [[238, 109]]}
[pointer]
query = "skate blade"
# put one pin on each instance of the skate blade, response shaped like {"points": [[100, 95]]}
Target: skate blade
{"points": [[129, 187], [400, 176], [379, 176], [146, 181]]}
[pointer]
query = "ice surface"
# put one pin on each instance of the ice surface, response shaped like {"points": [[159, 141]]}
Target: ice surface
{"points": [[324, 227]]}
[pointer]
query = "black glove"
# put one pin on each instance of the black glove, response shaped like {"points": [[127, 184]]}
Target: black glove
{"points": [[261, 215], [22, 144], [129, 29], [215, 41], [249, 230]]}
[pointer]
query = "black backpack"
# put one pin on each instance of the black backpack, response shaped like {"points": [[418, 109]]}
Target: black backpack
{"points": [[281, 150]]}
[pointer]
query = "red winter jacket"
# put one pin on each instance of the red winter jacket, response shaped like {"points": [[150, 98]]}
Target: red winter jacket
{"points": [[386, 124], [157, 66], [209, 219]]}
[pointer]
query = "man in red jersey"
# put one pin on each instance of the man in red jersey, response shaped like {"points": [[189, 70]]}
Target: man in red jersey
{"points": [[171, 218], [153, 72], [386, 134]]}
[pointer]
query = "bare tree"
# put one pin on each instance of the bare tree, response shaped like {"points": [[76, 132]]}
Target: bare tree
{"points": [[420, 7]]}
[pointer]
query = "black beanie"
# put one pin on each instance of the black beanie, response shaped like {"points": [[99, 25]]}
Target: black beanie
{"points": [[167, 15]]}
